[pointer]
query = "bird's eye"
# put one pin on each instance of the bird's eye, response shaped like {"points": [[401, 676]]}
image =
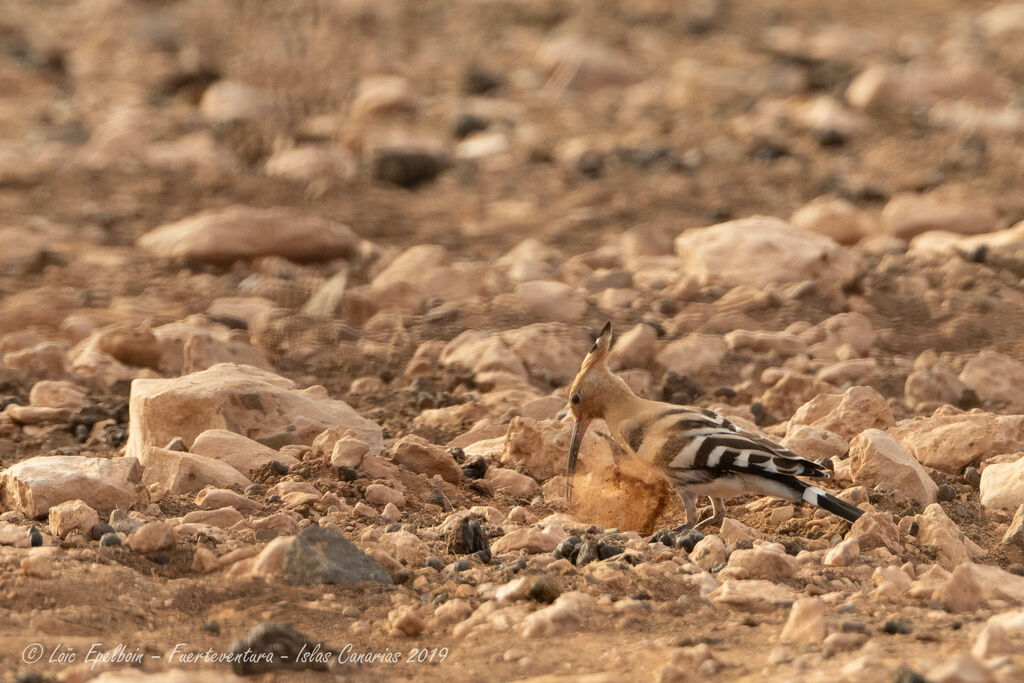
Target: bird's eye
{"points": [[576, 398]]}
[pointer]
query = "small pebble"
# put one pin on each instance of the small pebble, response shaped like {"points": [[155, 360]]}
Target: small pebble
{"points": [[946, 492], [99, 530], [35, 537]]}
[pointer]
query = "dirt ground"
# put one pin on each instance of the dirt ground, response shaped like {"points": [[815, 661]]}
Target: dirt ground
{"points": [[67, 66]]}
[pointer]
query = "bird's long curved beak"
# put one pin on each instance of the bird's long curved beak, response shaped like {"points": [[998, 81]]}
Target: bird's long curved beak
{"points": [[579, 428]]}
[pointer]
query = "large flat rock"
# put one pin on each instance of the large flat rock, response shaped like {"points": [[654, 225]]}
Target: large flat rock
{"points": [[35, 485], [239, 398]]}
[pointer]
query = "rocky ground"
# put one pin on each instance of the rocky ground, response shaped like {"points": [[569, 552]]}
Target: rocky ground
{"points": [[291, 295]]}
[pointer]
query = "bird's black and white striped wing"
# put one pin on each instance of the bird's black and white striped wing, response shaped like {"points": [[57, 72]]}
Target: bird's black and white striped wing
{"points": [[702, 440]]}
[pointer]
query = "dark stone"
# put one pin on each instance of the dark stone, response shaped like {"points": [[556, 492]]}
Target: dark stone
{"points": [[11, 401], [273, 498], [758, 411], [437, 498], [282, 643], [475, 467], [568, 549], [255, 490], [679, 389], [515, 567], [606, 550], [469, 538], [908, 675], [406, 168], [279, 468], [590, 164], [481, 82], [664, 537], [323, 555], [831, 138], [99, 530], [460, 565], [767, 151], [35, 537], [467, 124], [110, 540], [688, 540], [946, 492], [545, 589], [211, 627], [457, 454], [434, 563], [893, 627], [587, 553], [346, 473], [160, 558], [115, 436], [728, 393], [973, 477], [968, 400], [913, 528]]}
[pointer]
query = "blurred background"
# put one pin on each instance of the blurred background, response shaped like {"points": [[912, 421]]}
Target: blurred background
{"points": [[552, 140]]}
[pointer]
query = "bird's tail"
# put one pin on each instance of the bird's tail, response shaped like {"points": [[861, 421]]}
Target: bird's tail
{"points": [[826, 501]]}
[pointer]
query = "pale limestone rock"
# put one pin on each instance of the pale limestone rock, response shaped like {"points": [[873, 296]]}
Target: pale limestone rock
{"points": [[542, 448], [382, 95], [806, 622], [877, 530], [935, 384], [455, 609], [755, 594], [971, 586], [551, 352], [835, 218], [789, 390], [693, 354], [765, 561], [242, 453], [568, 609], [760, 341], [204, 561], [309, 163], [852, 371], [846, 414], [852, 331], [242, 232], [843, 554], [935, 528], [709, 552], [1015, 533], [255, 403], [550, 300], [733, 531], [511, 482], [405, 621], [72, 515], [1002, 485], [152, 536], [877, 459], [33, 486], [996, 379], [1002, 634], [223, 518], [814, 443], [635, 348], [760, 251], [419, 455], [533, 539], [405, 547], [214, 498], [227, 100], [176, 473], [891, 583], [36, 415], [12, 534], [379, 494], [57, 394], [950, 440], [481, 352], [47, 360], [948, 209], [578, 63]]}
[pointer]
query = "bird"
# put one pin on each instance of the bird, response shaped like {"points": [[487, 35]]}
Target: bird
{"points": [[697, 451]]}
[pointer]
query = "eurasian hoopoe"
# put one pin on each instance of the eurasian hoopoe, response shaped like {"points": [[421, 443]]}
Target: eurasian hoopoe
{"points": [[699, 452]]}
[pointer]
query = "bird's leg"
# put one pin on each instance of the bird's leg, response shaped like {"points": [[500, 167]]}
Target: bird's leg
{"points": [[717, 514], [682, 535]]}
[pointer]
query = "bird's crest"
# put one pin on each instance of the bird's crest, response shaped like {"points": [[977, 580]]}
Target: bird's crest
{"points": [[602, 345]]}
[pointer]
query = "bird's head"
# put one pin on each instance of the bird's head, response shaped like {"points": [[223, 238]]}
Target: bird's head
{"points": [[586, 394]]}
